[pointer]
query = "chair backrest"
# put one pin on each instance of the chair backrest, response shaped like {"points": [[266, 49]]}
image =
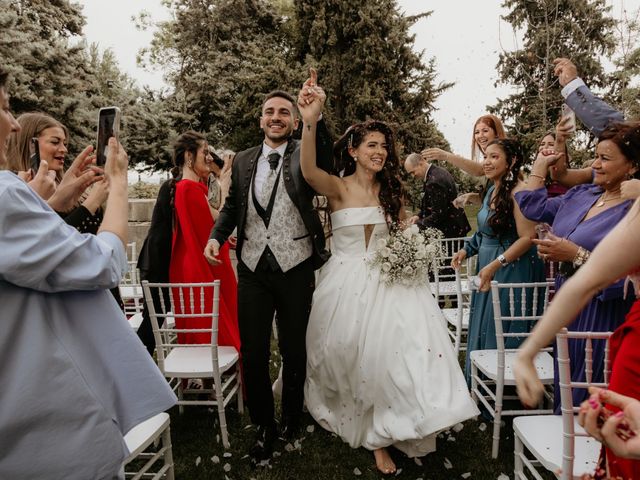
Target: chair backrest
{"points": [[132, 252], [442, 271], [526, 302], [185, 301], [567, 385]]}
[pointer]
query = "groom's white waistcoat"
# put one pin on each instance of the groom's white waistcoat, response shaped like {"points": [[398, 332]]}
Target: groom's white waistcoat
{"points": [[287, 237]]}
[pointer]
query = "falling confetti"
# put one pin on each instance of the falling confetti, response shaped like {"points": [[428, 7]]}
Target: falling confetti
{"points": [[227, 467], [215, 459], [198, 460], [447, 464], [227, 455]]}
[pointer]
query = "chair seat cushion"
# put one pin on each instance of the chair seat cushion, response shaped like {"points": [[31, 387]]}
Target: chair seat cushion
{"points": [[451, 314], [140, 436], [542, 435], [196, 362], [135, 321], [487, 363]]}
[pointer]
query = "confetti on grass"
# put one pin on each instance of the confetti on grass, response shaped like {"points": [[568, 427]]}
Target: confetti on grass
{"points": [[215, 459], [357, 472], [447, 464], [198, 460]]}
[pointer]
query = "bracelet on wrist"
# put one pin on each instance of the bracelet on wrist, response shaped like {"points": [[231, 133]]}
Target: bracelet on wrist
{"points": [[537, 176], [582, 255]]}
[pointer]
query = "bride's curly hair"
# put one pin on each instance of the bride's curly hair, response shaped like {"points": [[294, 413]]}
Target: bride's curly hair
{"points": [[502, 222], [391, 188]]}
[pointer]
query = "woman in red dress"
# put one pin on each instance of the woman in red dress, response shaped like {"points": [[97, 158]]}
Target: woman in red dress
{"points": [[193, 221]]}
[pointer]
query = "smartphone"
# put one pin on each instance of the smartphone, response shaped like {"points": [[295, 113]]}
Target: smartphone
{"points": [[568, 113], [34, 158], [108, 126], [543, 230]]}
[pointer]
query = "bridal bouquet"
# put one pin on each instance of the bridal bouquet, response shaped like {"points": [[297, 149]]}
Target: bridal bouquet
{"points": [[406, 255]]}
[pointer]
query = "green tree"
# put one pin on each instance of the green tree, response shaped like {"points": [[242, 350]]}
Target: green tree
{"points": [[53, 71], [364, 53], [578, 29], [41, 45], [221, 57], [626, 77]]}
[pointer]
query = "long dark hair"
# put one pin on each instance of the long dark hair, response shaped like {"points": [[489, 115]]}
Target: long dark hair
{"points": [[187, 142], [391, 188], [502, 222]]}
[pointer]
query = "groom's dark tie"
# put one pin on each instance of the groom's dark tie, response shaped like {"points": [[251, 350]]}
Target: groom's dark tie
{"points": [[270, 181], [274, 158]]}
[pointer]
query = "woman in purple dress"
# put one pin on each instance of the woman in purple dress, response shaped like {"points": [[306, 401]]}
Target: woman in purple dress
{"points": [[580, 219]]}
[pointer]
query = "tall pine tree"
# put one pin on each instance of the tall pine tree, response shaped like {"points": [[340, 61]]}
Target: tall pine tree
{"points": [[364, 53], [578, 29]]}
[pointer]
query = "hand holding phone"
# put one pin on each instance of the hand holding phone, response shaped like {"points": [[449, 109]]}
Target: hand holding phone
{"points": [[108, 126], [34, 158]]}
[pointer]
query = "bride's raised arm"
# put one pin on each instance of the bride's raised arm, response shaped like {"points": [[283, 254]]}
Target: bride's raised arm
{"points": [[310, 103]]}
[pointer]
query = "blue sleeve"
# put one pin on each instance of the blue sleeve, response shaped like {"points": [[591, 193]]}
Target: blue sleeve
{"points": [[40, 251], [536, 206], [593, 112], [472, 245]]}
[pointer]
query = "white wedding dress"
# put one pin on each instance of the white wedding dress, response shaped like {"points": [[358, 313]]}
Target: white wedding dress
{"points": [[381, 369]]}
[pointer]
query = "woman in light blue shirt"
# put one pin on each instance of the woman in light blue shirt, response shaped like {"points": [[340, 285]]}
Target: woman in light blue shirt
{"points": [[75, 378]]}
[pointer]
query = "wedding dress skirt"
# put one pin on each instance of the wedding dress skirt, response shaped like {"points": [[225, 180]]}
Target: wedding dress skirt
{"points": [[381, 369]]}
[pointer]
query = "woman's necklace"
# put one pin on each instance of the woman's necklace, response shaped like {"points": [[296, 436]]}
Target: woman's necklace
{"points": [[605, 200]]}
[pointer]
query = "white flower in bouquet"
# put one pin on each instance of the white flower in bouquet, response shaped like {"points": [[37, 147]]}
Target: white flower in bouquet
{"points": [[407, 255]]}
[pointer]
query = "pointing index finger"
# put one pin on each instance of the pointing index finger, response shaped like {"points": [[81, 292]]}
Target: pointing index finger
{"points": [[313, 75]]}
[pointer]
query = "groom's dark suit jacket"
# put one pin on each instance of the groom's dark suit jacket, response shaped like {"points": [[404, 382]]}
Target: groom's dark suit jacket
{"points": [[234, 212], [436, 209]]}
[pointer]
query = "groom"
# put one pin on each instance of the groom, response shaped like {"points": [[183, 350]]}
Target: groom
{"points": [[280, 243]]}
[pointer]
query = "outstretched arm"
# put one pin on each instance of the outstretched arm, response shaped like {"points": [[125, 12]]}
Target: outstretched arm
{"points": [[310, 103], [593, 112], [464, 164]]}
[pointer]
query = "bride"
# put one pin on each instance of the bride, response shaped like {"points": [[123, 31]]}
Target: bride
{"points": [[380, 366]]}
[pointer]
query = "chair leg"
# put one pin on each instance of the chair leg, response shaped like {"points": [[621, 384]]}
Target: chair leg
{"points": [[168, 455], [517, 457], [497, 418], [180, 396], [474, 383], [240, 392], [221, 414]]}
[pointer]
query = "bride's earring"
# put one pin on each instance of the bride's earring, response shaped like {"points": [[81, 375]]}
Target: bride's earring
{"points": [[355, 159]]}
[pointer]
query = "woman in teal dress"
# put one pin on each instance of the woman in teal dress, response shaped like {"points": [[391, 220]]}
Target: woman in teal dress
{"points": [[503, 245]]}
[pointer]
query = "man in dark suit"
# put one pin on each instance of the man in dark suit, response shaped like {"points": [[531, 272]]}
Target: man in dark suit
{"points": [[280, 243], [439, 192]]}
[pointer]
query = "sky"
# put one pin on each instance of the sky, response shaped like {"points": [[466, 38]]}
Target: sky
{"points": [[465, 37]]}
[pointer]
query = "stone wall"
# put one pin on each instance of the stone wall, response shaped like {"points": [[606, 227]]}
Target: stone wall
{"points": [[140, 211]]}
